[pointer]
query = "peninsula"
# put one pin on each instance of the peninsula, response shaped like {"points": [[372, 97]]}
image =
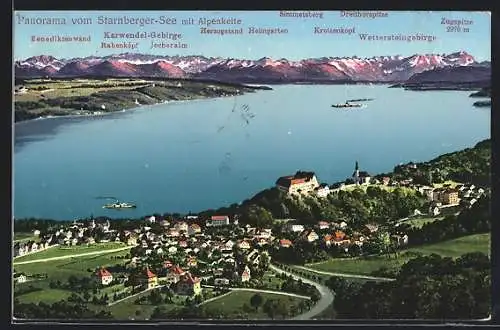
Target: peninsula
{"points": [[36, 98]]}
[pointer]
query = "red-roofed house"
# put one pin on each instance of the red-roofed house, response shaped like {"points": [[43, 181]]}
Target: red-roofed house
{"points": [[150, 280], [104, 277], [191, 261], [174, 274], [339, 235], [189, 285], [285, 243], [218, 220], [340, 238], [245, 274]]}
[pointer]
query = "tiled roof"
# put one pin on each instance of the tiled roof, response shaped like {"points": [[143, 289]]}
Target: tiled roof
{"points": [[149, 274], [190, 279], [177, 270], [103, 273], [297, 178], [219, 217], [339, 235]]}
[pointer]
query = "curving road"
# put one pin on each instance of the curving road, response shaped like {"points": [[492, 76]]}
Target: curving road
{"points": [[363, 277], [263, 291], [325, 301], [72, 256]]}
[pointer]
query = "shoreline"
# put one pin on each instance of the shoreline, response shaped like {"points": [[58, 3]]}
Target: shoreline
{"points": [[242, 90], [124, 111]]}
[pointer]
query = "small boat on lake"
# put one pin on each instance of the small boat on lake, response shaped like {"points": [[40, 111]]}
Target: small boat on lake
{"points": [[359, 100], [347, 105], [119, 205]]}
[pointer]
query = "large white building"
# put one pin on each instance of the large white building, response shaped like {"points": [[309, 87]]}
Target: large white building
{"points": [[300, 182], [218, 220]]}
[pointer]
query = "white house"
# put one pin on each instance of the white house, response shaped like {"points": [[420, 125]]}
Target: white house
{"points": [[20, 278], [221, 281], [322, 191], [34, 247], [309, 236], [104, 276], [293, 227], [434, 210], [218, 220], [323, 225]]}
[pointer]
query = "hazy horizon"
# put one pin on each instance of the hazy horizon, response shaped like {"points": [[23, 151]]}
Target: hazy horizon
{"points": [[299, 42]]}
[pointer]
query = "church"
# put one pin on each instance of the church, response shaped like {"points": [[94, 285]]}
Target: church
{"points": [[360, 177]]}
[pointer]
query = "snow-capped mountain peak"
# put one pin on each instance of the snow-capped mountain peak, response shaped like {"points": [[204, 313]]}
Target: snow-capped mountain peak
{"points": [[375, 68]]}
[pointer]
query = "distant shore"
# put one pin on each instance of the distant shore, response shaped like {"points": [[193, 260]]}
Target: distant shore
{"points": [[443, 86]]}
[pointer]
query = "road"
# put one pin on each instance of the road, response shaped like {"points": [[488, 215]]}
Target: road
{"points": [[263, 291], [134, 295], [363, 277], [325, 301], [72, 256]]}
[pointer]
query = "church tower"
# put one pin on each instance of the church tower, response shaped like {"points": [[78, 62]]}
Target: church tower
{"points": [[356, 173]]}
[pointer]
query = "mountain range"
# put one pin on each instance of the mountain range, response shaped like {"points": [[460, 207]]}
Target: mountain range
{"points": [[265, 70]]}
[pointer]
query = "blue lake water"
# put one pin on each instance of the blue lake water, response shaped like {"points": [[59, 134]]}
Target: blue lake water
{"points": [[196, 155]]}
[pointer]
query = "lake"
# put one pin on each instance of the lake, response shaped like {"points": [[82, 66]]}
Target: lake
{"points": [[196, 155]]}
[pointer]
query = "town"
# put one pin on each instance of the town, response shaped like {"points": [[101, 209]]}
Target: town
{"points": [[198, 259]]}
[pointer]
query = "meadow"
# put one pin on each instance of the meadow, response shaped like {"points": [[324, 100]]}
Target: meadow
{"points": [[236, 305], [61, 251], [365, 266]]}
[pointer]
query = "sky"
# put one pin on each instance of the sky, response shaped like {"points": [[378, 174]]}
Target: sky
{"points": [[299, 43]]}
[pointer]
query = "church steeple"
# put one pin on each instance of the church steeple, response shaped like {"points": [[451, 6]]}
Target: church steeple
{"points": [[356, 173]]}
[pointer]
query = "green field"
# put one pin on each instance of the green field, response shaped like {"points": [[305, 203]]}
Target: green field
{"points": [[232, 305], [271, 281], [61, 270], [128, 310], [365, 266], [60, 251], [420, 222], [24, 237], [48, 296], [67, 88], [450, 183]]}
